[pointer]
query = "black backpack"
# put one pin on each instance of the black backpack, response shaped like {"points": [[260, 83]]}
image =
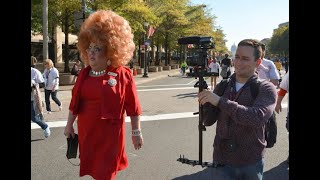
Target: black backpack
{"points": [[270, 127]]}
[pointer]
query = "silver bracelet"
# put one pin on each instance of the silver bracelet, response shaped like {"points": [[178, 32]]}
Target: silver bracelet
{"points": [[136, 132]]}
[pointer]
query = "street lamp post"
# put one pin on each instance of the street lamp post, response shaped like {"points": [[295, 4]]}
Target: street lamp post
{"points": [[145, 74]]}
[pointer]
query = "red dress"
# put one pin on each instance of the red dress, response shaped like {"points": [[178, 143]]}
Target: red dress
{"points": [[101, 127]]}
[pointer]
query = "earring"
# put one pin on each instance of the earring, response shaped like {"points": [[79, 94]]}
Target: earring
{"points": [[108, 62]]}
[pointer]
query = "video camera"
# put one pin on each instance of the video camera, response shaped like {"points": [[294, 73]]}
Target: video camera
{"points": [[200, 55]]}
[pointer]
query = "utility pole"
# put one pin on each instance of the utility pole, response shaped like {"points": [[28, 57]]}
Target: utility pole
{"points": [[45, 29]]}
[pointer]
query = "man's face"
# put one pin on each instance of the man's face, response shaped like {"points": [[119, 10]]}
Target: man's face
{"points": [[244, 62]]}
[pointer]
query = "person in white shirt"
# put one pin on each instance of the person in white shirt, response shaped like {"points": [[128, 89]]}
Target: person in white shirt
{"points": [[267, 70], [37, 81], [51, 77], [214, 68]]}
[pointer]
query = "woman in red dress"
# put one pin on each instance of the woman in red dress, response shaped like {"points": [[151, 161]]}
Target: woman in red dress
{"points": [[103, 93]]}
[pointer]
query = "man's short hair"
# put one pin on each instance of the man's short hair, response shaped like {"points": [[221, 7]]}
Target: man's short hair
{"points": [[257, 45]]}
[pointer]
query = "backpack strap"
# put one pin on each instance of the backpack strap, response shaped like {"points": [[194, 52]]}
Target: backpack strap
{"points": [[222, 86], [254, 87]]}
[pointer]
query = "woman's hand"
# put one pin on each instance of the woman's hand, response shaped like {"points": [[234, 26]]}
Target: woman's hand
{"points": [[69, 130], [137, 142]]}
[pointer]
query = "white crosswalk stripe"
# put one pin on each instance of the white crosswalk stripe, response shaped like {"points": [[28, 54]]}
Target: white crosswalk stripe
{"points": [[142, 118]]}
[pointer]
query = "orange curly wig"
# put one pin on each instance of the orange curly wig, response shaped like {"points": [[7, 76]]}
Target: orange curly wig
{"points": [[110, 30]]}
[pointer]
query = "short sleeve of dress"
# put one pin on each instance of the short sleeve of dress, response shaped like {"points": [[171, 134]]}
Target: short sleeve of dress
{"points": [[132, 103]]}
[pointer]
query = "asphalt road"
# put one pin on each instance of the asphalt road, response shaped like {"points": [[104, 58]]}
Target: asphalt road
{"points": [[164, 140]]}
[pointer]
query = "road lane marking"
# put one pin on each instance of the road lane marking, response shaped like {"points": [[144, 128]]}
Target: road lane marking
{"points": [[158, 117], [142, 118], [50, 124]]}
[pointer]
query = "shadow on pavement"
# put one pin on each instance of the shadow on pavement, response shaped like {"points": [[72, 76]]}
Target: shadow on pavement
{"points": [[279, 172], [179, 75], [36, 140], [180, 96], [205, 174]]}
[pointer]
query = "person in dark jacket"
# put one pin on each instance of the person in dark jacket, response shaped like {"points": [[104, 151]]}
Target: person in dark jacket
{"points": [[225, 67], [239, 144]]}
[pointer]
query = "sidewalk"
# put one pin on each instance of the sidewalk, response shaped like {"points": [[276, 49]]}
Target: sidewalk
{"points": [[138, 78]]}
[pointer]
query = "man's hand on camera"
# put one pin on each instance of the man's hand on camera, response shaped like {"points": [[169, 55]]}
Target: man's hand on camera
{"points": [[208, 96]]}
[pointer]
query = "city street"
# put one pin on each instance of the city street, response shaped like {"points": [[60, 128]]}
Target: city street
{"points": [[169, 130]]}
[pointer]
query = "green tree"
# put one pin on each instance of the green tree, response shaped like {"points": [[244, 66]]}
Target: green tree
{"points": [[279, 43], [171, 18], [60, 13], [172, 24]]}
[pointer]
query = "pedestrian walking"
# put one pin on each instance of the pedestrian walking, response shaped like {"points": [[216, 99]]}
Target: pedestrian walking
{"points": [[33, 61], [104, 92], [225, 67], [267, 69], [37, 82], [214, 69], [51, 77], [184, 66], [278, 65], [239, 144], [76, 68], [131, 63]]}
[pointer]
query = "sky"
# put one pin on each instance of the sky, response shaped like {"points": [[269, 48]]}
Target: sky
{"points": [[242, 19]]}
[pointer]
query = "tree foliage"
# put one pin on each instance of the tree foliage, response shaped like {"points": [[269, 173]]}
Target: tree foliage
{"points": [[171, 18], [279, 43]]}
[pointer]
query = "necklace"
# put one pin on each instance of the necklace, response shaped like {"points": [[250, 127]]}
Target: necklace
{"points": [[97, 73]]}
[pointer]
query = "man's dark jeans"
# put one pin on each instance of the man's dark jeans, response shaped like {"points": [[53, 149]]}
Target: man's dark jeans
{"points": [[245, 172]]}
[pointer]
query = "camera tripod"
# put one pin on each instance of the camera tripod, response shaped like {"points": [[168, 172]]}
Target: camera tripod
{"points": [[201, 84]]}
